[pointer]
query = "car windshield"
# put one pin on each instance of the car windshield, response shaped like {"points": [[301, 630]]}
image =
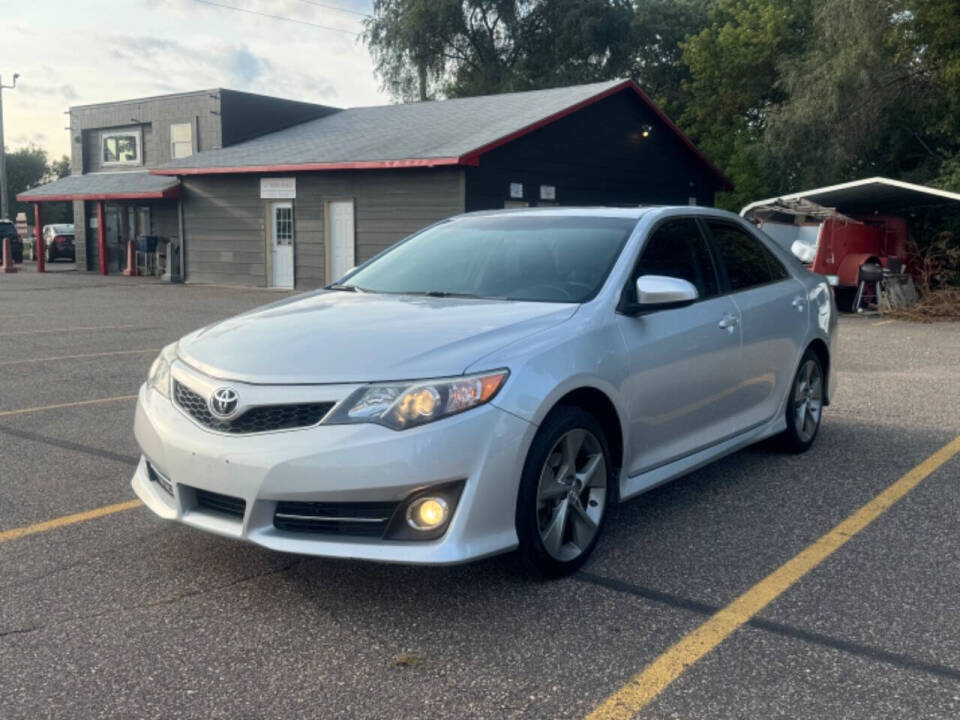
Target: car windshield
{"points": [[541, 258]]}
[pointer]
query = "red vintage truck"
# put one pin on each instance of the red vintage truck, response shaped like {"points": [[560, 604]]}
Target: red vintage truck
{"points": [[856, 233]]}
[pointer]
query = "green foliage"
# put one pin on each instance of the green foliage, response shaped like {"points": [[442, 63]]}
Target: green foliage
{"points": [[27, 168], [733, 87], [428, 48]]}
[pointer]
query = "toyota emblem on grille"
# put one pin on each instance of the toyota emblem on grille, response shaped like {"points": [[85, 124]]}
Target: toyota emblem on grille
{"points": [[224, 402]]}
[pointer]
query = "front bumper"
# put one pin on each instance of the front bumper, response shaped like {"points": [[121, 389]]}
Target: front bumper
{"points": [[484, 447]]}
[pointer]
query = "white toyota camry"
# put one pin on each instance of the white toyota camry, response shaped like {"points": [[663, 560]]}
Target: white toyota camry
{"points": [[493, 382]]}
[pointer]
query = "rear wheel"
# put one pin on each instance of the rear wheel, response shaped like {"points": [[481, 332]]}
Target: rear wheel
{"points": [[565, 490], [804, 406]]}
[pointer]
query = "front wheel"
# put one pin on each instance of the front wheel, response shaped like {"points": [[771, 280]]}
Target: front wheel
{"points": [[566, 487], [804, 406]]}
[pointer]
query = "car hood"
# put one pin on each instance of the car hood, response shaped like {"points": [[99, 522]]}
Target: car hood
{"points": [[344, 337]]}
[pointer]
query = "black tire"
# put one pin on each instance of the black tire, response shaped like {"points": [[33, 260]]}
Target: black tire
{"points": [[796, 439], [561, 421]]}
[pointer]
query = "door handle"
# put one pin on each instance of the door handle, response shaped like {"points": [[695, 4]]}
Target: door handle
{"points": [[728, 323], [798, 303]]}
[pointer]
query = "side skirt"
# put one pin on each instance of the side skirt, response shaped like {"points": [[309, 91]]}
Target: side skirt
{"points": [[632, 486]]}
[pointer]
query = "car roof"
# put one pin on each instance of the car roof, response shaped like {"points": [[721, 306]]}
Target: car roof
{"points": [[633, 212]]}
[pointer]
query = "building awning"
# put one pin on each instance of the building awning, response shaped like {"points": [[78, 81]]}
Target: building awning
{"points": [[135, 185], [867, 196]]}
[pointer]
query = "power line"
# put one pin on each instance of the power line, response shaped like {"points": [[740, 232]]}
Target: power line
{"points": [[335, 7], [278, 17]]}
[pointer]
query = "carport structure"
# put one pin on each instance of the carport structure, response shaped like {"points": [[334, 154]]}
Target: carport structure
{"points": [[109, 190]]}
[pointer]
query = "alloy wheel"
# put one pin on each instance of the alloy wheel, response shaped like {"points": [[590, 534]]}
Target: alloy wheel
{"points": [[571, 495], [808, 400]]}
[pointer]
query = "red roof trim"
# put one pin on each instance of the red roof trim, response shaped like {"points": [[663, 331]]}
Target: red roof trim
{"points": [[470, 158], [301, 167], [168, 194]]}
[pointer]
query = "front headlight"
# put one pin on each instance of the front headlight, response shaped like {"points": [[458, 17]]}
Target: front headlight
{"points": [[403, 405], [159, 375]]}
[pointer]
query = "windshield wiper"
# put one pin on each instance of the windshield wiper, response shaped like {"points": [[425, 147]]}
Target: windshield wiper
{"points": [[445, 294]]}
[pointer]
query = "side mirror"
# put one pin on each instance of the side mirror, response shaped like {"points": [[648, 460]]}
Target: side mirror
{"points": [[659, 292]]}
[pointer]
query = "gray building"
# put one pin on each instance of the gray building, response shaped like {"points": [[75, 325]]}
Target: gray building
{"points": [[299, 206], [115, 145]]}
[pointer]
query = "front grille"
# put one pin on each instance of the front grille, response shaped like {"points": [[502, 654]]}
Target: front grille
{"points": [[262, 418], [355, 519], [226, 504]]}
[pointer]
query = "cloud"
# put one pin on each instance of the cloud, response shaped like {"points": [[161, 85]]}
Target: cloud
{"points": [[154, 47], [61, 92], [245, 66]]}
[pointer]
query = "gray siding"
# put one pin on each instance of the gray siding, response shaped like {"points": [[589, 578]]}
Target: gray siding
{"points": [[224, 228], [154, 117], [225, 219]]}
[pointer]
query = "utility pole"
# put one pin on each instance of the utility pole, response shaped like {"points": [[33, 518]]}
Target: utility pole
{"points": [[4, 207]]}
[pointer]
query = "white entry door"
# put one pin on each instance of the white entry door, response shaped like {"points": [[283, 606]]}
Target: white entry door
{"points": [[342, 244], [282, 235]]}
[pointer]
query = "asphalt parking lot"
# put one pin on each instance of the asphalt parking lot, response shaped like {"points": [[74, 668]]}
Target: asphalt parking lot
{"points": [[122, 615]]}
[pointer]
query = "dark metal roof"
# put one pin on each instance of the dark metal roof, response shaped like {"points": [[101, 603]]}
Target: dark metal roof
{"points": [[445, 132], [860, 197], [139, 184]]}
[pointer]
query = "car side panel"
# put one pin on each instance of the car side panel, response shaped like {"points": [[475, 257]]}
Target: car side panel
{"points": [[774, 324]]}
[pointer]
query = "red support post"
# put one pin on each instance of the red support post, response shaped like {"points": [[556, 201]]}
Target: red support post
{"points": [[102, 235], [41, 250]]}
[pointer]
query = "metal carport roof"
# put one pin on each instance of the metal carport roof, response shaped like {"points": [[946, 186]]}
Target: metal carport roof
{"points": [[876, 194]]}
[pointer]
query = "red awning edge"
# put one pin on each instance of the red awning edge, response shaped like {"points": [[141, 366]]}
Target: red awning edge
{"points": [[170, 193]]}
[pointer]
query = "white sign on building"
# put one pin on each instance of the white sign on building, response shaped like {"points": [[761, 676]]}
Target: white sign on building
{"points": [[278, 188]]}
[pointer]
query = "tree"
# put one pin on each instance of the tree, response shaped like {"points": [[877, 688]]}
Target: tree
{"points": [[858, 100], [27, 168], [454, 48], [733, 85], [659, 28]]}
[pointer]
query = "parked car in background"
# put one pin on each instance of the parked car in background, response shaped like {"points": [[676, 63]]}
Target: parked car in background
{"points": [[59, 241], [8, 229], [496, 381]]}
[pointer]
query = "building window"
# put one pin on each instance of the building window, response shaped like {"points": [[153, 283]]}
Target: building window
{"points": [[181, 140], [121, 148]]}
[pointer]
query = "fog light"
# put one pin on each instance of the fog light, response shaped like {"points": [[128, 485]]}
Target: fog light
{"points": [[427, 513]]}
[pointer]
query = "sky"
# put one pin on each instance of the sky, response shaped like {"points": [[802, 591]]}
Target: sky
{"points": [[77, 52]]}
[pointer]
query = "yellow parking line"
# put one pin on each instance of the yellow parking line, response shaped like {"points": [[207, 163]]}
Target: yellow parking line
{"points": [[21, 411], [69, 329], [60, 522], [646, 685], [883, 322], [77, 357]]}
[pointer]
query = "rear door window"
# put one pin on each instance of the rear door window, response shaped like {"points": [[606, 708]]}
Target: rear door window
{"points": [[677, 249], [746, 261]]}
